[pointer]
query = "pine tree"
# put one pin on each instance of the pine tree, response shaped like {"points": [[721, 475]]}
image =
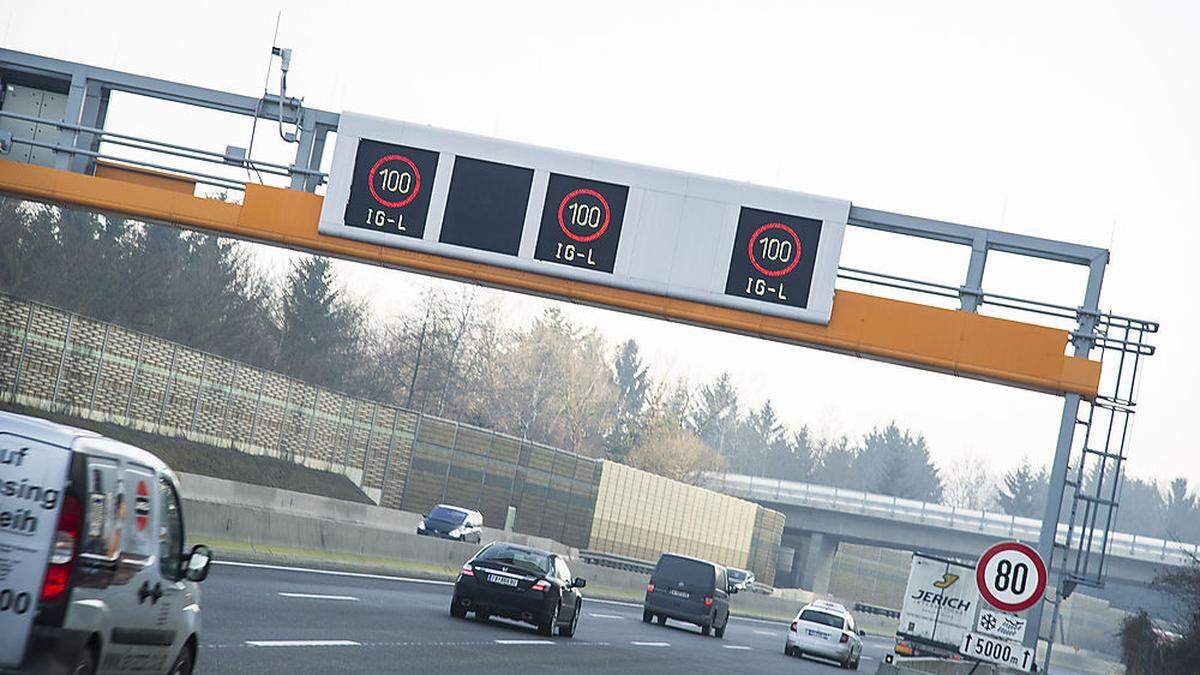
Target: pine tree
{"points": [[320, 332], [1023, 492], [632, 381]]}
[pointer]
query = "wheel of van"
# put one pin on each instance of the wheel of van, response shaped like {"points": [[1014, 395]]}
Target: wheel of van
{"points": [[457, 610], [85, 663], [854, 664], [646, 616], [720, 632], [482, 616], [183, 662], [706, 629], [662, 619]]}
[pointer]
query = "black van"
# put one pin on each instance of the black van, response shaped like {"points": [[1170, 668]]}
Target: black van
{"points": [[689, 589]]}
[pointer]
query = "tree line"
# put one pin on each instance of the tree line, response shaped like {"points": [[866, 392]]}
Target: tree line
{"points": [[453, 353]]}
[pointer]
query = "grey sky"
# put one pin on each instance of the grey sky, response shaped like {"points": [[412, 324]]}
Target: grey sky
{"points": [[1076, 121]]}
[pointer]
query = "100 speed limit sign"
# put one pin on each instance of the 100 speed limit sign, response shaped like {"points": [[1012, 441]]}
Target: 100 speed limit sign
{"points": [[1011, 576]]}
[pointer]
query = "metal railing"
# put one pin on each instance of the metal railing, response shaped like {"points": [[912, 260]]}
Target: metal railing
{"points": [[1137, 547], [159, 147]]}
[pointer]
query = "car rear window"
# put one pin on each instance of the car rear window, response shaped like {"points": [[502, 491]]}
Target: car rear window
{"points": [[448, 515], [814, 616], [691, 572], [536, 562]]}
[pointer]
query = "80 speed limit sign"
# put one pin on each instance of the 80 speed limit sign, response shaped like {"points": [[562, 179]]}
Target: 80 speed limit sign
{"points": [[1011, 576]]}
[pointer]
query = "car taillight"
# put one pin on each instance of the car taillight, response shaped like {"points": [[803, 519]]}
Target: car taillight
{"points": [[541, 585], [649, 588], [795, 624], [467, 571], [62, 556], [845, 638], [708, 601]]}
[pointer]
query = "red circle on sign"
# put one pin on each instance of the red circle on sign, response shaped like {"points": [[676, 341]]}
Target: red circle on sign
{"points": [[986, 592], [416, 181], [603, 202], [142, 506], [754, 261]]}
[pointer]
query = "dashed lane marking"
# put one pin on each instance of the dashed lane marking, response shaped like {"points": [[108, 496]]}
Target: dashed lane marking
{"points": [[770, 633], [318, 596], [303, 643], [739, 647], [336, 573], [605, 616], [650, 644], [523, 642]]}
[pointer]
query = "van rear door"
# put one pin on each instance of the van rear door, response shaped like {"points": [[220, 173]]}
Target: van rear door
{"points": [[34, 557], [684, 584]]}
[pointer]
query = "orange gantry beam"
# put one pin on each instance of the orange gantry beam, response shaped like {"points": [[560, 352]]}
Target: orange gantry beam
{"points": [[932, 338]]}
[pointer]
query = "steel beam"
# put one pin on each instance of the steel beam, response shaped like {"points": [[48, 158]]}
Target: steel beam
{"points": [[966, 235]]}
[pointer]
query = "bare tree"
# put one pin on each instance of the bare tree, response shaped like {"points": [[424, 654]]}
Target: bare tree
{"points": [[969, 483]]}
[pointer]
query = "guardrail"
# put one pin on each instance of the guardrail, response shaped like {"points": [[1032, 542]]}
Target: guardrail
{"points": [[620, 562], [616, 562], [864, 608], [1138, 547]]}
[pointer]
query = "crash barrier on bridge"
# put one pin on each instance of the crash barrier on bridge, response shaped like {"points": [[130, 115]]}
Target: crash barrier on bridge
{"points": [[243, 521], [864, 608], [771, 490], [60, 361]]}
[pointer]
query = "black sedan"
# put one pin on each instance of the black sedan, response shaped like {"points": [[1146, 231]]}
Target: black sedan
{"points": [[521, 583]]}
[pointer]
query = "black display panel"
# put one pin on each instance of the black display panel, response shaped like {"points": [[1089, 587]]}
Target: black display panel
{"points": [[581, 222], [773, 257], [390, 188], [486, 206]]}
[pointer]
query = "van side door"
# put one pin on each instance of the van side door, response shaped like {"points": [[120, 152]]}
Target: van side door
{"points": [[721, 594], [138, 640], [178, 603]]}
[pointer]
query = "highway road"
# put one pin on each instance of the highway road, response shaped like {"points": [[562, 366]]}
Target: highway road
{"points": [[276, 619]]}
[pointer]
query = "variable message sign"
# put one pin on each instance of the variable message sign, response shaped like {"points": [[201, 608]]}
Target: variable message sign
{"points": [[561, 214]]}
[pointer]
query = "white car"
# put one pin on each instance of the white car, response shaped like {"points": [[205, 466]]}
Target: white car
{"points": [[826, 630], [105, 583]]}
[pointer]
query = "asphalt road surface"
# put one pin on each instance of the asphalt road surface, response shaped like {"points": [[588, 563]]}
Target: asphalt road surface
{"points": [[272, 619]]}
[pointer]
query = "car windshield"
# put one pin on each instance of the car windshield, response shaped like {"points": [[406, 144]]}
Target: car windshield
{"points": [[823, 618], [537, 562], [691, 572], [444, 514]]}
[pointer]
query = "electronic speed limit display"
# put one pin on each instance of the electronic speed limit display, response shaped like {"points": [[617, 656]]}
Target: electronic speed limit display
{"points": [[773, 257], [528, 218], [581, 222], [390, 189]]}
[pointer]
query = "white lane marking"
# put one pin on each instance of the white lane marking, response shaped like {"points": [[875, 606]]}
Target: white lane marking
{"points": [[605, 616], [650, 644], [336, 573], [318, 596], [303, 643], [743, 647], [766, 632], [523, 642]]}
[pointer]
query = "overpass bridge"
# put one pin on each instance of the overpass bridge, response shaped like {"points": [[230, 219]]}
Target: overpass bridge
{"points": [[820, 517]]}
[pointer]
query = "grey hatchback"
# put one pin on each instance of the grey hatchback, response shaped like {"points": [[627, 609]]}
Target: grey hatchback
{"points": [[689, 589]]}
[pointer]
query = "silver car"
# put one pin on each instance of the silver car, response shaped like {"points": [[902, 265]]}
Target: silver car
{"points": [[828, 631]]}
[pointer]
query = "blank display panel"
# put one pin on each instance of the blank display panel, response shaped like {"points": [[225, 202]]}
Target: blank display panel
{"points": [[486, 206]]}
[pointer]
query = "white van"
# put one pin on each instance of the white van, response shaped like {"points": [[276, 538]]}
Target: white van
{"points": [[94, 576]]}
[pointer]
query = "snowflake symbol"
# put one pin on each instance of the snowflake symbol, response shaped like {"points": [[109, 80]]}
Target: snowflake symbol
{"points": [[988, 621]]}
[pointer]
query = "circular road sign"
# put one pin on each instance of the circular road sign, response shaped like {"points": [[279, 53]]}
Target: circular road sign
{"points": [[1011, 576]]}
